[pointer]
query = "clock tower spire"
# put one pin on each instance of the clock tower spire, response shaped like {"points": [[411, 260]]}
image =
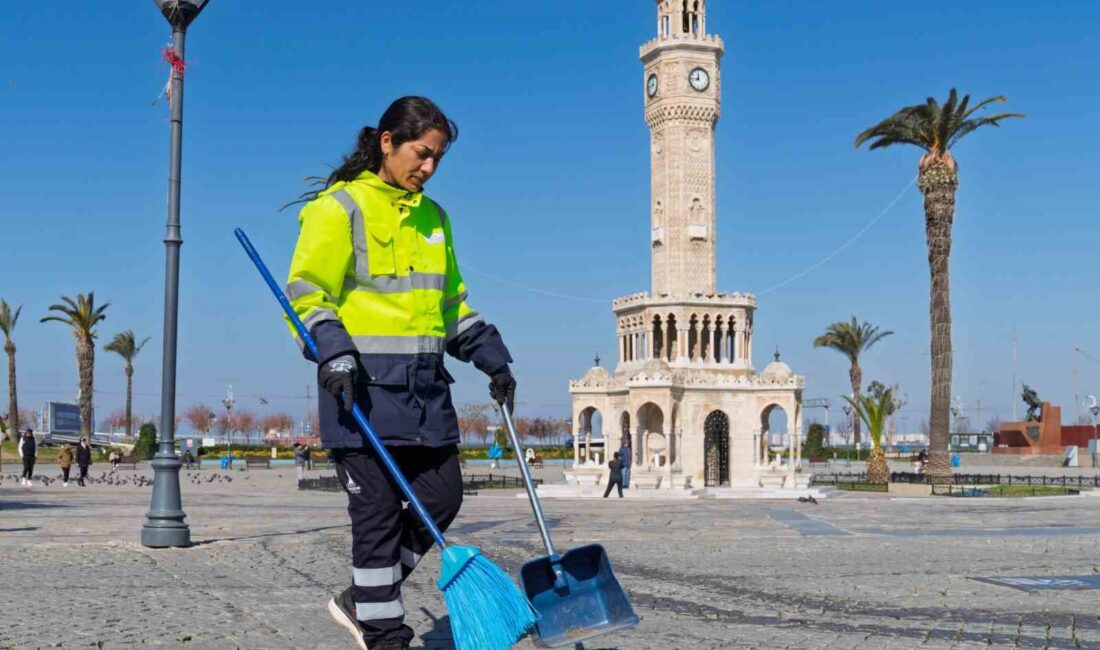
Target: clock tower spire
{"points": [[682, 102]]}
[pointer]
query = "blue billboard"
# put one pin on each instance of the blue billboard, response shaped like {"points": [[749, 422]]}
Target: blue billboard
{"points": [[65, 418]]}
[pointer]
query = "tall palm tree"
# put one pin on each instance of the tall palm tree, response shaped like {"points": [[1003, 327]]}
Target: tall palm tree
{"points": [[8, 319], [852, 339], [82, 316], [935, 129], [126, 346]]}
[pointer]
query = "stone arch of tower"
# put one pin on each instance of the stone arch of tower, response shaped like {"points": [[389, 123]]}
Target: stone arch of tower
{"points": [[651, 431], [624, 429], [716, 449], [766, 428]]}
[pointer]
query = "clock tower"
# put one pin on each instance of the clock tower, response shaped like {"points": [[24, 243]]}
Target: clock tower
{"points": [[684, 393], [682, 99]]}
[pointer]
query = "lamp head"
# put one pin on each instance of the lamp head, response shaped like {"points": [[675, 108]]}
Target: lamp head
{"points": [[180, 13]]}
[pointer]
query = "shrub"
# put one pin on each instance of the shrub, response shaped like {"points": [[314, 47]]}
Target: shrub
{"points": [[146, 446]]}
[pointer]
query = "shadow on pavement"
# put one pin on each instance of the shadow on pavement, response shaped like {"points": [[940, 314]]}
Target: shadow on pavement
{"points": [[263, 535], [439, 637], [28, 505]]}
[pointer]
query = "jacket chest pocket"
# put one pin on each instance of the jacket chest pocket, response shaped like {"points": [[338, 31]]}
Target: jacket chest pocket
{"points": [[433, 250], [381, 249]]}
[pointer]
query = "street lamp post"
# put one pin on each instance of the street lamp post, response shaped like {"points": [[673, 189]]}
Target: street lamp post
{"points": [[1095, 408], [164, 523], [228, 401]]}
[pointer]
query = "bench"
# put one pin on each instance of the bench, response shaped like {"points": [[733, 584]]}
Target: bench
{"points": [[818, 461], [129, 460], [536, 462], [258, 461]]}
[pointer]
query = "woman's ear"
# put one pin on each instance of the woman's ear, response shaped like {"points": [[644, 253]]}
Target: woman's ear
{"points": [[386, 140]]}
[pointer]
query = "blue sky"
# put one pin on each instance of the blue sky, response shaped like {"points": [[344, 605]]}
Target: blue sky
{"points": [[548, 183]]}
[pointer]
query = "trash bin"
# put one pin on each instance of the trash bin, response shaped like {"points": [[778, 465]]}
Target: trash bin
{"points": [[225, 462], [956, 460]]}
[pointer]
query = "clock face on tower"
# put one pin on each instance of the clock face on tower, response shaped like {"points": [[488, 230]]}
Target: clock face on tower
{"points": [[651, 85], [699, 79]]}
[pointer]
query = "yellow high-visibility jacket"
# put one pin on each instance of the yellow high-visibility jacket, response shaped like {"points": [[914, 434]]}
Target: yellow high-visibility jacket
{"points": [[374, 273]]}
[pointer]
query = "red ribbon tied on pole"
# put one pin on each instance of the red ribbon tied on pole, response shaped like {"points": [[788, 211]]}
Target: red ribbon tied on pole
{"points": [[174, 60]]}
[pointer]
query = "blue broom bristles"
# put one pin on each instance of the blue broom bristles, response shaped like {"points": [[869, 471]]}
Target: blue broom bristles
{"points": [[488, 611]]}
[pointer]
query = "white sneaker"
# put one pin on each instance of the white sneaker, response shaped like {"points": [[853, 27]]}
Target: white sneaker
{"points": [[64, 485]]}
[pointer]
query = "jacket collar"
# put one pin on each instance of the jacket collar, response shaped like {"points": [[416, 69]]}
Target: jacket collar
{"points": [[391, 193]]}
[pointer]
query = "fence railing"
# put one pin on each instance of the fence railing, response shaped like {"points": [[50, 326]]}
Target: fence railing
{"points": [[1002, 490], [470, 482], [833, 478]]}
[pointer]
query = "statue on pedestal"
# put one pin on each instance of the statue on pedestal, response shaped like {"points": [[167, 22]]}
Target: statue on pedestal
{"points": [[1031, 398]]}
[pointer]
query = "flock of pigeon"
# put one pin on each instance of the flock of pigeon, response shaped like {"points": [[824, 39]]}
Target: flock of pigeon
{"points": [[118, 479]]}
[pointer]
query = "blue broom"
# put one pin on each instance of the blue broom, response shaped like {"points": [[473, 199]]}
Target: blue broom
{"points": [[488, 611]]}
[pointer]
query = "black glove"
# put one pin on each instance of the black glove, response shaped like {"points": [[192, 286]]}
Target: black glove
{"points": [[502, 388], [337, 376]]}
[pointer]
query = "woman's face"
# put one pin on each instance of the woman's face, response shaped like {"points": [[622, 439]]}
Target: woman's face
{"points": [[414, 162]]}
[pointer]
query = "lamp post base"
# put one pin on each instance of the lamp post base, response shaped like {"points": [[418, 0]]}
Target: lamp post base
{"points": [[164, 523]]}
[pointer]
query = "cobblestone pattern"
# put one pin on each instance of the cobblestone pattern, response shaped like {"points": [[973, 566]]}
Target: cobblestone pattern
{"points": [[702, 575]]}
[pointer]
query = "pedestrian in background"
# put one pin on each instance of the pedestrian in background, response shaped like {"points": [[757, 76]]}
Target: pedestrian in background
{"points": [[615, 476], [115, 457], [65, 460], [83, 460], [28, 451], [301, 457], [625, 457]]}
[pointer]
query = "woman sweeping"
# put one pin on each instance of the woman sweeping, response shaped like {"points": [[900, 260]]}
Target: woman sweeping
{"points": [[375, 280]]}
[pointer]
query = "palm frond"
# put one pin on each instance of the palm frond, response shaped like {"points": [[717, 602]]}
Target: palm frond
{"points": [[982, 104], [970, 125]]}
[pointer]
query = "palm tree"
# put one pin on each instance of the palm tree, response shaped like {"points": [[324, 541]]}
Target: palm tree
{"points": [[7, 326], [852, 339], [126, 346], [935, 129], [82, 316], [874, 410]]}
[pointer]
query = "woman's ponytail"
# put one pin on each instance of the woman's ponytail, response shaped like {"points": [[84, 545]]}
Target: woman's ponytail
{"points": [[408, 118]]}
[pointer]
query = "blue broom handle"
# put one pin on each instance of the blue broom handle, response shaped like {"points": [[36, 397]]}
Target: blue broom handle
{"points": [[364, 425]]}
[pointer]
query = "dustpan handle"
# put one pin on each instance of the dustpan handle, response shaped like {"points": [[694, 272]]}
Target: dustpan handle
{"points": [[364, 425], [532, 495]]}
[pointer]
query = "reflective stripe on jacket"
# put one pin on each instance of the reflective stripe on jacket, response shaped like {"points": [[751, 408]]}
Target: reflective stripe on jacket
{"points": [[374, 273]]}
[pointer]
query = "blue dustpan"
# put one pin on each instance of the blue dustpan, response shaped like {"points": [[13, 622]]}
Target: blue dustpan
{"points": [[576, 594]]}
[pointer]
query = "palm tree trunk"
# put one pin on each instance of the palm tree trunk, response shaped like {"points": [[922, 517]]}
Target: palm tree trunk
{"points": [[13, 402], [855, 374], [938, 183], [85, 361], [129, 400]]}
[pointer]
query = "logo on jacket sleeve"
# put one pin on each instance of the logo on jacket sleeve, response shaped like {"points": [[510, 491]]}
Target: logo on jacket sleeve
{"points": [[352, 486], [436, 238]]}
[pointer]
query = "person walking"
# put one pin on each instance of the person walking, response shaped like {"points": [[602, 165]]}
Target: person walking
{"points": [[614, 476], [28, 451], [65, 460], [83, 460], [301, 456], [625, 457], [114, 458], [375, 278]]}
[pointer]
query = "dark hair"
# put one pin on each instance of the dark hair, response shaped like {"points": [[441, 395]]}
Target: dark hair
{"points": [[616, 454], [407, 118]]}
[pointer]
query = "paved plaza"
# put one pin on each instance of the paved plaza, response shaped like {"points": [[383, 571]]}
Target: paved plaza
{"points": [[854, 572]]}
